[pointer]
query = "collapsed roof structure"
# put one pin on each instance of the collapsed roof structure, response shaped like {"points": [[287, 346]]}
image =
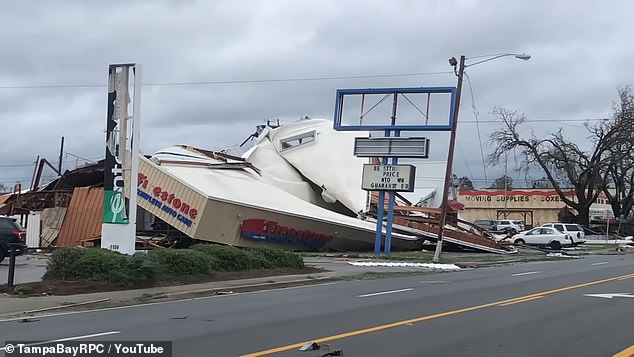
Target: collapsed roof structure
{"points": [[298, 187]]}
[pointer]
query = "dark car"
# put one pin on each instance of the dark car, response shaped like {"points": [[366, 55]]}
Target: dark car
{"points": [[486, 224], [11, 234]]}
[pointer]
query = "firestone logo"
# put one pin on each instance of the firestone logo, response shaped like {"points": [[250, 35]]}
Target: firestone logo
{"points": [[166, 201], [271, 231]]}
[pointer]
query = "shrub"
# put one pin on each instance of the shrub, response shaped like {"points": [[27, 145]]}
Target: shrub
{"points": [[231, 258], [62, 264], [92, 264], [183, 261], [110, 266], [280, 258]]}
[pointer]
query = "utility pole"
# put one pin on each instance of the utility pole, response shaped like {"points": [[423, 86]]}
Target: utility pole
{"points": [[61, 156], [452, 143]]}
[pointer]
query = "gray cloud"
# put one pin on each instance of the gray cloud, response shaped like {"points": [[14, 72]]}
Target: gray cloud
{"points": [[580, 57]]}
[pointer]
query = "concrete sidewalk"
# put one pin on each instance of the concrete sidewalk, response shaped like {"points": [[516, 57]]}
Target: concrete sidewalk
{"points": [[11, 306]]}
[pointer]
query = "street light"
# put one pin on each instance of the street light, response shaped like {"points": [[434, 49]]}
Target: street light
{"points": [[452, 139]]}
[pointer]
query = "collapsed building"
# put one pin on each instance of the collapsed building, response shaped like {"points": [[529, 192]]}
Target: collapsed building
{"points": [[297, 187]]}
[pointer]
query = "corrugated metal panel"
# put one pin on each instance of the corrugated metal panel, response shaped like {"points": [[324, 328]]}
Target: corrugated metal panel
{"points": [[4, 198], [84, 217], [52, 219], [33, 230]]}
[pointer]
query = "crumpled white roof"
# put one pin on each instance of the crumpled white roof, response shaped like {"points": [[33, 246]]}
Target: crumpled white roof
{"points": [[241, 187]]}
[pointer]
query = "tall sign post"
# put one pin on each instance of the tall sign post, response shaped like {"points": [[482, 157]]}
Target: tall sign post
{"points": [[118, 230], [390, 178]]}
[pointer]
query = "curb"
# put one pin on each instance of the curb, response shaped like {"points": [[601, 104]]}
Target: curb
{"points": [[59, 307], [228, 291]]}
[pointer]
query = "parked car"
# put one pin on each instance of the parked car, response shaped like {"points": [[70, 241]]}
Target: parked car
{"points": [[485, 224], [573, 230], [509, 226], [11, 233], [543, 236]]}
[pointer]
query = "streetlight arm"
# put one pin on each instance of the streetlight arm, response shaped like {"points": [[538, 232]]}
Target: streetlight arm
{"points": [[522, 56], [459, 69]]}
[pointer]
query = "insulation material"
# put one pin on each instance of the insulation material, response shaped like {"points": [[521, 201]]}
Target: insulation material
{"points": [[326, 160], [278, 172]]}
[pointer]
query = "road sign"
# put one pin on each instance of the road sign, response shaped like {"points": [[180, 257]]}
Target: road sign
{"points": [[611, 295], [417, 147], [388, 178]]}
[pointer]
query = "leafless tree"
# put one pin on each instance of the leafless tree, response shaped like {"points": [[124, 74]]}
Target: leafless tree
{"points": [[619, 170], [576, 174]]}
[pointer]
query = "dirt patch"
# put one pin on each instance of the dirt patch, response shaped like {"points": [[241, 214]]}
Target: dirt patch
{"points": [[57, 287]]}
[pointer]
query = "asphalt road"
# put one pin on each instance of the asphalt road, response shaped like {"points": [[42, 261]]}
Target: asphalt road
{"points": [[28, 268], [536, 309]]}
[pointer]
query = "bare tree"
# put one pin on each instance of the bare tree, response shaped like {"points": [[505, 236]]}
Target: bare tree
{"points": [[565, 164], [464, 183], [503, 182], [619, 170]]}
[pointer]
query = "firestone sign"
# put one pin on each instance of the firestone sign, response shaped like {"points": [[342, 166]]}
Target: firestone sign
{"points": [[166, 201]]}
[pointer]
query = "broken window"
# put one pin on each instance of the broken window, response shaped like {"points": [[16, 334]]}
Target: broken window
{"points": [[297, 140]]}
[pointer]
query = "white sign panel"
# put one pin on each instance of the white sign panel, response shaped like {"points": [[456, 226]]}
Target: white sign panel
{"points": [[388, 177]]}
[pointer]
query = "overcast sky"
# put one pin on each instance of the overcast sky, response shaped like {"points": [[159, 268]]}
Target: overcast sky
{"points": [[55, 55]]}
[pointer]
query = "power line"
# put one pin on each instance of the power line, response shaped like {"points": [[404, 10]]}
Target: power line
{"points": [[234, 81], [534, 120], [476, 116]]}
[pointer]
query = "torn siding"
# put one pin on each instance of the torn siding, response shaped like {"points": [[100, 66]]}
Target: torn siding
{"points": [[84, 217]]}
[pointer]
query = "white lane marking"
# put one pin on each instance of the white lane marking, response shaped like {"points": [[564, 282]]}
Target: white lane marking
{"points": [[385, 292], [611, 295], [161, 302], [83, 337], [600, 263], [525, 273]]}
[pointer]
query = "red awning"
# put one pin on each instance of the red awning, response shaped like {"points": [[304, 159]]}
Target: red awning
{"points": [[454, 206]]}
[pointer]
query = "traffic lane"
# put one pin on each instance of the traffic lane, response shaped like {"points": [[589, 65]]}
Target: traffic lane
{"points": [[304, 302], [292, 331], [563, 324], [235, 313], [28, 268], [246, 310]]}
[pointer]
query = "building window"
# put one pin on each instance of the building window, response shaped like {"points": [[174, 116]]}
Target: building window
{"points": [[297, 140]]}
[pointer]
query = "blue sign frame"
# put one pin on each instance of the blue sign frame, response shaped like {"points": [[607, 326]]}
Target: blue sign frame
{"points": [[435, 127], [389, 130]]}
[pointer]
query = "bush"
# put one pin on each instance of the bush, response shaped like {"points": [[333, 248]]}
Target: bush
{"points": [[204, 259], [96, 264], [233, 259], [280, 258], [183, 261]]}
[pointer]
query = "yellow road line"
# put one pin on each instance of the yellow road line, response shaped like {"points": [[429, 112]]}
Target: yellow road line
{"points": [[519, 301], [628, 352], [435, 316]]}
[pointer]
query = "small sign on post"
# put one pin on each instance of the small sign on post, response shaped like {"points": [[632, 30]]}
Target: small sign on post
{"points": [[388, 178]]}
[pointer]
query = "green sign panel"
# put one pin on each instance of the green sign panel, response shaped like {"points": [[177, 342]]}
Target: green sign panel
{"points": [[113, 207]]}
